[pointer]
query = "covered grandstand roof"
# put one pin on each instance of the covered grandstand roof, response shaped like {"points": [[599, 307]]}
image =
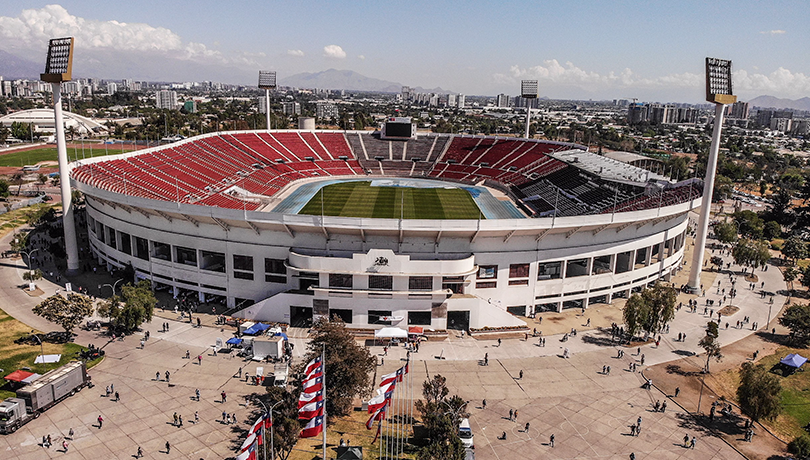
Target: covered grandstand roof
{"points": [[608, 168], [43, 120]]}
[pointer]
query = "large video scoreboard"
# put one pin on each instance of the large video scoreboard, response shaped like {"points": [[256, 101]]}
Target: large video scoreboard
{"points": [[398, 128]]}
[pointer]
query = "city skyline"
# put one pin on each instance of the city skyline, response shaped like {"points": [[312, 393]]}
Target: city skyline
{"points": [[580, 50]]}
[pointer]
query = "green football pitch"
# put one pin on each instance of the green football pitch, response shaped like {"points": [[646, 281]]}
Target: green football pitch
{"points": [[360, 199], [74, 152]]}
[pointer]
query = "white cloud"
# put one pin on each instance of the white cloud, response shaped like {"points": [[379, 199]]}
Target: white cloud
{"points": [[334, 51], [781, 82], [297, 53], [32, 29], [361, 57], [772, 32]]}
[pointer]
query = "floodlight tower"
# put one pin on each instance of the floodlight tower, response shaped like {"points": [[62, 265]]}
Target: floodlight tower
{"points": [[528, 90], [59, 68], [719, 92], [267, 81]]}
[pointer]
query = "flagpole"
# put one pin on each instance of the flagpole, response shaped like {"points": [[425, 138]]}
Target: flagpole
{"points": [[323, 363]]}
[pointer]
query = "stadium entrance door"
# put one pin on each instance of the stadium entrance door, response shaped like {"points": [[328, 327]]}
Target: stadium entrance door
{"points": [[458, 320], [300, 316]]}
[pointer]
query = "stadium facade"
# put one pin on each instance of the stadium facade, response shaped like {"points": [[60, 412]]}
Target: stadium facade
{"points": [[216, 216]]}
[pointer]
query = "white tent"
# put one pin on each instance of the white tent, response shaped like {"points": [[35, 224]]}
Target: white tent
{"points": [[391, 332]]}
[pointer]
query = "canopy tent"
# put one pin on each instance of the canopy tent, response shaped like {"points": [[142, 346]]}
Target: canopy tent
{"points": [[256, 329], [44, 359], [281, 334], [234, 341], [793, 360], [390, 332], [416, 330], [18, 376]]}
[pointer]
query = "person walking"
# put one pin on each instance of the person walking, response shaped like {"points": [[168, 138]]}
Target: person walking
{"points": [[692, 443], [551, 440], [100, 421], [632, 430], [49, 441], [686, 441], [521, 374], [196, 417], [632, 456], [70, 434], [224, 397], [197, 394], [157, 376], [516, 413], [168, 447], [65, 445], [677, 391], [139, 454], [174, 417], [511, 413], [199, 360], [180, 417], [526, 430], [167, 376], [484, 404], [117, 397], [664, 406]]}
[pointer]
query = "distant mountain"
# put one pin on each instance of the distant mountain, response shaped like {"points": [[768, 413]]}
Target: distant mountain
{"points": [[340, 79], [13, 67], [767, 102], [348, 80]]}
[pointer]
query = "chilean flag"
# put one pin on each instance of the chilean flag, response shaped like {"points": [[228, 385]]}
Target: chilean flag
{"points": [[316, 362], [258, 425], [311, 410], [313, 428], [312, 385], [379, 414], [249, 454], [379, 401], [388, 387], [377, 435], [316, 372], [250, 441], [403, 371], [388, 378], [307, 398]]}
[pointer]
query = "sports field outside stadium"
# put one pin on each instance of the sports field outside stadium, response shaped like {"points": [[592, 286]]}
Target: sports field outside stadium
{"points": [[360, 199]]}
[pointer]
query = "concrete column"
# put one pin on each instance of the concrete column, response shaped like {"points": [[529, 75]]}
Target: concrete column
{"points": [[706, 204], [267, 106], [68, 224]]}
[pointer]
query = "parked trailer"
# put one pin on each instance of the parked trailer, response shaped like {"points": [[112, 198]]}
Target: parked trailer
{"points": [[41, 394]]}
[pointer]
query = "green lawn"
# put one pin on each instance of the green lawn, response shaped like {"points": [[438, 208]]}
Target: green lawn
{"points": [[360, 199], [32, 157]]}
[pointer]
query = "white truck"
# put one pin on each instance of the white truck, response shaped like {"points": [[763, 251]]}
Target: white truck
{"points": [[41, 394], [264, 347]]}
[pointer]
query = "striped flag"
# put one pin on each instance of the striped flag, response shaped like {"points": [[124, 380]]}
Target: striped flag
{"points": [[388, 387], [312, 385], [311, 410], [379, 414], [316, 362], [251, 439], [379, 400], [258, 425], [249, 453], [388, 378], [377, 435], [307, 398], [316, 372], [313, 428]]}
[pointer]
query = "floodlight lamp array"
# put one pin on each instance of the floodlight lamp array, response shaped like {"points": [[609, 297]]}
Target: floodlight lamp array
{"points": [[267, 79], [59, 66], [718, 81], [528, 89]]}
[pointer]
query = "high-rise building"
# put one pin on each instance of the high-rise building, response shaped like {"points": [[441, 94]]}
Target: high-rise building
{"points": [[461, 101], [165, 99], [406, 94], [502, 100], [326, 109], [112, 87], [738, 110], [291, 108], [451, 100], [637, 113]]}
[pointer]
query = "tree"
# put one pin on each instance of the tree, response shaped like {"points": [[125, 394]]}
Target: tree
{"points": [[749, 224], [750, 253], [790, 275], [441, 416], [133, 307], [286, 426], [710, 344], [32, 275], [4, 188], [348, 366], [716, 261], [758, 393], [726, 232], [650, 310], [772, 230], [800, 447], [794, 249], [797, 318], [67, 312]]}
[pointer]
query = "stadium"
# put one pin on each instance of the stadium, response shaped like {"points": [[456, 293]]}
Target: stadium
{"points": [[385, 228]]}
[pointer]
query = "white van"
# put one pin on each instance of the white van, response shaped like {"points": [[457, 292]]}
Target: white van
{"points": [[465, 433]]}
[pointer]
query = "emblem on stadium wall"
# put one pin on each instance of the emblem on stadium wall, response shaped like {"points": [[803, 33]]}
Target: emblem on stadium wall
{"points": [[381, 261]]}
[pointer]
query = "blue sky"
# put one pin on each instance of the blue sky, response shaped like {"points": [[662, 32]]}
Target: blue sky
{"points": [[577, 49]]}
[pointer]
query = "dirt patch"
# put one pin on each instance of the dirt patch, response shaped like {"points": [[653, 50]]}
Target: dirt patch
{"points": [[729, 310], [35, 293], [555, 319], [751, 278]]}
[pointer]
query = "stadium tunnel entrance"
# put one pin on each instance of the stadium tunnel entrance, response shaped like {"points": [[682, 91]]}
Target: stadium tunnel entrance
{"points": [[458, 320], [300, 317]]}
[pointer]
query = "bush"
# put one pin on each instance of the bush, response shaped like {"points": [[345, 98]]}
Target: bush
{"points": [[800, 446]]}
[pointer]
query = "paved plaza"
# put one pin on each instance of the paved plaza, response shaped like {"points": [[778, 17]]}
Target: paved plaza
{"points": [[589, 412]]}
